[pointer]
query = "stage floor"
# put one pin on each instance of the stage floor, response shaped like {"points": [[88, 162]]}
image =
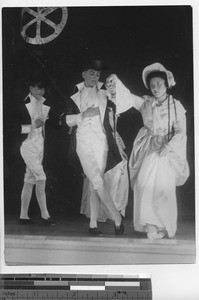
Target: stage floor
{"points": [[68, 243]]}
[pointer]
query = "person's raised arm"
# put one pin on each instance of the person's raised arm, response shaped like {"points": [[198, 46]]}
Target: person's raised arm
{"points": [[121, 95]]}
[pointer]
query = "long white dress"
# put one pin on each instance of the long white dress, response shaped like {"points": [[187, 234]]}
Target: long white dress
{"points": [[154, 177]]}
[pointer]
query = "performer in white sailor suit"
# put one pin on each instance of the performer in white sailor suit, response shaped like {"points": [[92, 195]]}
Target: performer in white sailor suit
{"points": [[33, 114], [102, 159]]}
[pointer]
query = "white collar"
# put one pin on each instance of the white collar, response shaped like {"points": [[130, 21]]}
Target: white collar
{"points": [[32, 98], [81, 85]]}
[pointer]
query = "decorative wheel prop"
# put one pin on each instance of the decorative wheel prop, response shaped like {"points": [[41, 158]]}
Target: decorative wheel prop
{"points": [[41, 25]]}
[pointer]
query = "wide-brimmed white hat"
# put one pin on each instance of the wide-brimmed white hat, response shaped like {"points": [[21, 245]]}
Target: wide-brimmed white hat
{"points": [[158, 67]]}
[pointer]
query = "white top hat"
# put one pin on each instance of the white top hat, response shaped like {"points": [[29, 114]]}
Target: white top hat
{"points": [[158, 67]]}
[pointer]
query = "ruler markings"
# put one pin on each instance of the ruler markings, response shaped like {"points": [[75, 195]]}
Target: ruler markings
{"points": [[121, 283], [100, 283], [74, 287], [121, 288], [86, 288], [51, 283]]}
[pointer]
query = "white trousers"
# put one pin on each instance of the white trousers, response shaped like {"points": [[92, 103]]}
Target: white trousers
{"points": [[32, 152], [92, 150]]}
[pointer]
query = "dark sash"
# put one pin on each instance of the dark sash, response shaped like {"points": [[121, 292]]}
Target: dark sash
{"points": [[114, 156]]}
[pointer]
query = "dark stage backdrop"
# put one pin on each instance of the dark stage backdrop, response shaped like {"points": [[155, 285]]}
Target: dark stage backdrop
{"points": [[127, 39]]}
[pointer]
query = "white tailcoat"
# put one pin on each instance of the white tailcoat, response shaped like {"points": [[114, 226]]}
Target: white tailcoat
{"points": [[92, 149]]}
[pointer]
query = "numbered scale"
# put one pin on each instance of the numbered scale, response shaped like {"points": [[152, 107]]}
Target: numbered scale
{"points": [[41, 287]]}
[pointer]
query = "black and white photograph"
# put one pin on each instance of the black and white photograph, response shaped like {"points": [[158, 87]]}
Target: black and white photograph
{"points": [[98, 135]]}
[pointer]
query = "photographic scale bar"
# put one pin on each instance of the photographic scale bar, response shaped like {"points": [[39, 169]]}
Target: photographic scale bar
{"points": [[41, 287]]}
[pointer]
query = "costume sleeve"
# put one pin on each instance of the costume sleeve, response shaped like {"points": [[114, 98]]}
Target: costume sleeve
{"points": [[73, 120], [24, 119], [25, 129], [125, 99], [177, 147], [47, 112], [178, 141], [72, 116]]}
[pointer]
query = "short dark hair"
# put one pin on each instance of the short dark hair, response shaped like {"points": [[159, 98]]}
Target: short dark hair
{"points": [[39, 84], [37, 80], [94, 64], [156, 74]]}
